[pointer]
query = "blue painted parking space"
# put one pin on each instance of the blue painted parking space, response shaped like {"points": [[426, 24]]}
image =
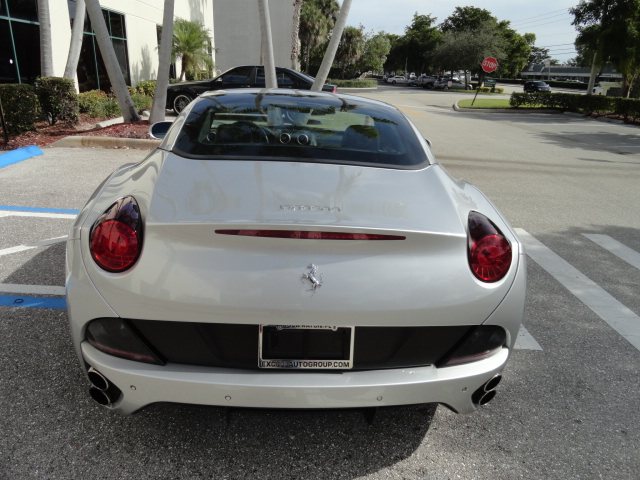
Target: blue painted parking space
{"points": [[21, 301]]}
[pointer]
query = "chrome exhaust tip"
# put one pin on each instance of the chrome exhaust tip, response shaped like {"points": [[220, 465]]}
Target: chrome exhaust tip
{"points": [[97, 379], [100, 396], [102, 390], [486, 392]]}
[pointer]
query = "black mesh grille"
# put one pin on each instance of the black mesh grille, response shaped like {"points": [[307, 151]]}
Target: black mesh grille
{"points": [[236, 346]]}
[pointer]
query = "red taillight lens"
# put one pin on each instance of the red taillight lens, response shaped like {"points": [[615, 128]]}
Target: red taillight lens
{"points": [[489, 251], [115, 241], [308, 235]]}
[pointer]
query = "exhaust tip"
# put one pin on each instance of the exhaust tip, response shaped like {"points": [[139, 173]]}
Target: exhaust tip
{"points": [[97, 379], [486, 392], [487, 397], [493, 383], [99, 396]]}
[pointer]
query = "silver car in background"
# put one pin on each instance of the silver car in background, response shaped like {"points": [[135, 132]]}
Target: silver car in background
{"points": [[292, 249]]}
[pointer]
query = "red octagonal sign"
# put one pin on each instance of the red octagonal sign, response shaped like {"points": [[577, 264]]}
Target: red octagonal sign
{"points": [[489, 64]]}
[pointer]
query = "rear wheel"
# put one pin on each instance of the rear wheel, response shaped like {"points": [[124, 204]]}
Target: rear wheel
{"points": [[180, 102]]}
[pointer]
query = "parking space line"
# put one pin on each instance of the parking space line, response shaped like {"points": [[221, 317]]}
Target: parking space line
{"points": [[20, 208], [525, 341], [614, 313], [55, 303], [32, 289], [17, 249], [618, 249], [40, 215]]}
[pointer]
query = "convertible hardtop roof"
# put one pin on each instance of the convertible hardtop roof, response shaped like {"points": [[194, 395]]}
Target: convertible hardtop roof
{"points": [[332, 98]]}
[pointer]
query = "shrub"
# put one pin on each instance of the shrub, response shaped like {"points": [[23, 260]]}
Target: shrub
{"points": [[587, 104], [146, 87], [628, 108], [353, 83], [58, 99], [20, 105], [141, 101], [98, 104]]}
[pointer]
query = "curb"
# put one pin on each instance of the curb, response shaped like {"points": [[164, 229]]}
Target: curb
{"points": [[457, 108], [106, 142]]}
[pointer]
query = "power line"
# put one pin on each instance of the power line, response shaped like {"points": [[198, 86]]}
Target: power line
{"points": [[541, 15], [543, 19], [525, 27]]}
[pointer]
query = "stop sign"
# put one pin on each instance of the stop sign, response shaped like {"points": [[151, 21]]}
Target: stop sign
{"points": [[489, 64]]}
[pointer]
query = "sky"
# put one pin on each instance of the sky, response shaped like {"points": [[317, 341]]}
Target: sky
{"points": [[550, 20]]}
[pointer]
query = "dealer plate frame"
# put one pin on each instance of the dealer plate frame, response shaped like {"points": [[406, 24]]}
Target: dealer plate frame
{"points": [[306, 364]]}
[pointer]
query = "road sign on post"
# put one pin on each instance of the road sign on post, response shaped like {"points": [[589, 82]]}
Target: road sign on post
{"points": [[489, 64]]}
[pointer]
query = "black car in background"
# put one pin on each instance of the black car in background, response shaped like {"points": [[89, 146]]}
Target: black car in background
{"points": [[247, 76], [536, 86]]}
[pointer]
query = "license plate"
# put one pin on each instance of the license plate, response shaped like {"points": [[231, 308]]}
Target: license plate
{"points": [[310, 347]]}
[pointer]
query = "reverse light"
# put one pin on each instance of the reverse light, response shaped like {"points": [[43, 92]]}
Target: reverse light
{"points": [[115, 241], [488, 250], [116, 336], [480, 343]]}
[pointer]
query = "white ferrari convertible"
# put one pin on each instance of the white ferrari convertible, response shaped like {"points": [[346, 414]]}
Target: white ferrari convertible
{"points": [[291, 249]]}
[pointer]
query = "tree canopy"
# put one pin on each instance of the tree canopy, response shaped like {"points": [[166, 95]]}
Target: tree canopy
{"points": [[610, 30]]}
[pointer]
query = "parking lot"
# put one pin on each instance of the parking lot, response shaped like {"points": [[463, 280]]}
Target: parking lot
{"points": [[567, 406]]}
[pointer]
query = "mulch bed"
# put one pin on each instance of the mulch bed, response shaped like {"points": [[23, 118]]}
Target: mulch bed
{"points": [[46, 134]]}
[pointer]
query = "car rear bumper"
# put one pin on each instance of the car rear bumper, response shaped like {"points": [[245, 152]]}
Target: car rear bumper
{"points": [[143, 384]]}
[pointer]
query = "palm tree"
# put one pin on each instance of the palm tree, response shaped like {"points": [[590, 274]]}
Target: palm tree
{"points": [[75, 45], [191, 43], [295, 35], [111, 64], [46, 58], [330, 53], [164, 64], [267, 45]]}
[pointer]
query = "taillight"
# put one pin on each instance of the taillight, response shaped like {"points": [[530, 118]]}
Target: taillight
{"points": [[115, 240], [489, 251]]}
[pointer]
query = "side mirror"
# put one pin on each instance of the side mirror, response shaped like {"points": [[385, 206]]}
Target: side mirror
{"points": [[159, 129]]}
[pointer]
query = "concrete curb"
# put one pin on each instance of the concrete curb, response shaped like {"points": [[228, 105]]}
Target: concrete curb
{"points": [[106, 142], [115, 121], [457, 108], [18, 155]]}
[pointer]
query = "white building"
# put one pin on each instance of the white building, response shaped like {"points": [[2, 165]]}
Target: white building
{"points": [[134, 26], [238, 36]]}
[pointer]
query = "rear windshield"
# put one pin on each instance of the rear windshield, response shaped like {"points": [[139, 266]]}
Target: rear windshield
{"points": [[298, 127]]}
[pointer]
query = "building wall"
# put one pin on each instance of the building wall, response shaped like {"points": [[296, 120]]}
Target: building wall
{"points": [[238, 37], [142, 17]]}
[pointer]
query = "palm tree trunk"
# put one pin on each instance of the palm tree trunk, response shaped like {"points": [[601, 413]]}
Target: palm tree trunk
{"points": [[295, 35], [330, 53], [75, 45], [111, 62], [46, 57], [267, 45], [164, 63]]}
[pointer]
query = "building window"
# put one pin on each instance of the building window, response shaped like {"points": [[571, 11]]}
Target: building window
{"points": [[92, 73], [19, 41]]}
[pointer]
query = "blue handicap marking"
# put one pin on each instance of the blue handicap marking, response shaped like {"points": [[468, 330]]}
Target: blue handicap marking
{"points": [[18, 155], [23, 301]]}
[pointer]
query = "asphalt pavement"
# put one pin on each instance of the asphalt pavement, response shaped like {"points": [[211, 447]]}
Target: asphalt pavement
{"points": [[568, 404]]}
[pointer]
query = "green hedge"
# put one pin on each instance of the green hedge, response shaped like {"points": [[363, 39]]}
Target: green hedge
{"points": [[142, 101], [354, 83], [146, 87], [58, 99], [628, 108], [98, 104], [20, 105]]}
